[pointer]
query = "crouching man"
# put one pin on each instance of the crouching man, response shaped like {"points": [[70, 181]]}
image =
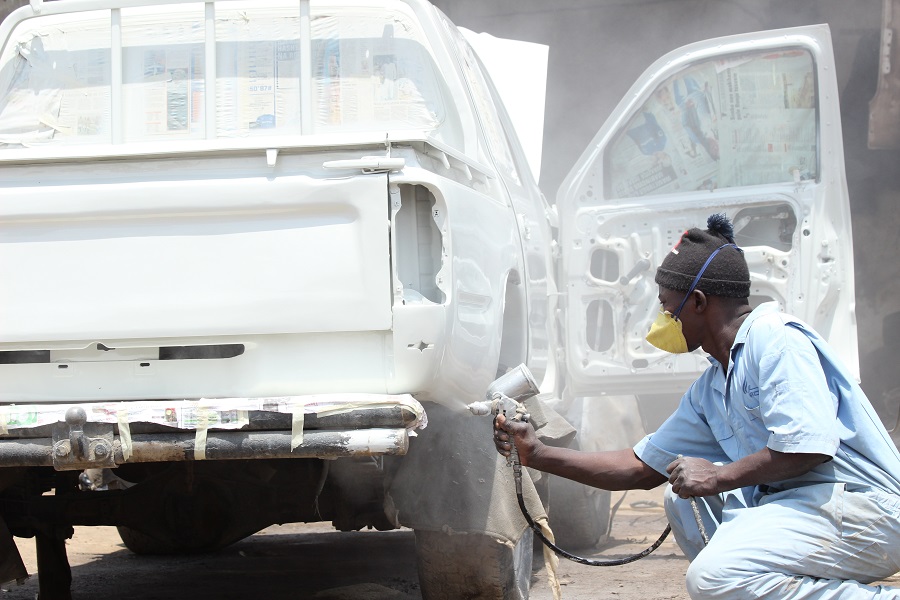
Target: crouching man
{"points": [[795, 477]]}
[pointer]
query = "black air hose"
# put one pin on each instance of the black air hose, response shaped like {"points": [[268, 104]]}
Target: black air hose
{"points": [[517, 475]]}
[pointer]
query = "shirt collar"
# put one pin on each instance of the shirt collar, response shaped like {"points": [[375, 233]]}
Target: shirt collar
{"points": [[766, 308], [720, 371], [763, 309]]}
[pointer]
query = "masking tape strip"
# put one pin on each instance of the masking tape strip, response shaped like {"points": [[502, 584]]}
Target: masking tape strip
{"points": [[296, 427], [346, 407], [551, 560], [200, 435], [124, 431], [421, 421]]}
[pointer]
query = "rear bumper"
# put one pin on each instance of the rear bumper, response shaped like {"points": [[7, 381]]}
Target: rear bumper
{"points": [[219, 445], [94, 435]]}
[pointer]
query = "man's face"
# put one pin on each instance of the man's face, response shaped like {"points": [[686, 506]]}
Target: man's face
{"points": [[671, 300]]}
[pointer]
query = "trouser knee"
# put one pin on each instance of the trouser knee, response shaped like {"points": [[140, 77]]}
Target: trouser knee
{"points": [[681, 517], [708, 578]]}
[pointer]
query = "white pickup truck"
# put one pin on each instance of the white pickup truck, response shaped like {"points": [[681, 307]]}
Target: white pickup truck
{"points": [[248, 249]]}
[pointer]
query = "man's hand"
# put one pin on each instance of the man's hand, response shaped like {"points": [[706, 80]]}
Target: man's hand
{"points": [[699, 477], [693, 477], [505, 431], [611, 470]]}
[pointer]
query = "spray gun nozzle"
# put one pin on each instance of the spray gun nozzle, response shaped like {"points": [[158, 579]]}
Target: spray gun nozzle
{"points": [[480, 409]]}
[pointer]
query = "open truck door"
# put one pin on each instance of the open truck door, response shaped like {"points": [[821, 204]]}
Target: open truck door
{"points": [[748, 125]]}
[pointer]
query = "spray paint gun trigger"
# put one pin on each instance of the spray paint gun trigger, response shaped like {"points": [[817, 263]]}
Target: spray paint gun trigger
{"points": [[521, 415]]}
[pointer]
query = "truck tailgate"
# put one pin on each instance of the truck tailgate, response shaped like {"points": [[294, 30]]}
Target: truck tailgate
{"points": [[194, 257]]}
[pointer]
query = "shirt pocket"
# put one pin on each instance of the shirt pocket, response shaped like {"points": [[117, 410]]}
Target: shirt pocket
{"points": [[751, 407], [721, 429], [749, 396]]}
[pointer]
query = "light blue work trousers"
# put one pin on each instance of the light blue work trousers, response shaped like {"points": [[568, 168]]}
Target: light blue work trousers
{"points": [[814, 542]]}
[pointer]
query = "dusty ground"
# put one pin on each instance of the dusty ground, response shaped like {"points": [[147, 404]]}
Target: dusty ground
{"points": [[313, 561]]}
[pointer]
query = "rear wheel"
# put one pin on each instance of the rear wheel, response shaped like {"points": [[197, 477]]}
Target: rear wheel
{"points": [[193, 539], [141, 543], [204, 519], [454, 566]]}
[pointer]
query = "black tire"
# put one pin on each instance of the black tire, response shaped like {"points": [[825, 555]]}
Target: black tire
{"points": [[579, 514], [456, 566], [189, 525], [143, 544], [200, 542], [171, 520]]}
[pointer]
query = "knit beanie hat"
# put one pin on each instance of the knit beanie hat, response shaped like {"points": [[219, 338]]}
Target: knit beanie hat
{"points": [[726, 275]]}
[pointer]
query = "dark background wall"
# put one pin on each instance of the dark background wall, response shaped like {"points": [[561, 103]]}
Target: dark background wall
{"points": [[599, 47]]}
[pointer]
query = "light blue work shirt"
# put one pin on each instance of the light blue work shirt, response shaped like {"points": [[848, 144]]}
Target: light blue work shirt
{"points": [[784, 389]]}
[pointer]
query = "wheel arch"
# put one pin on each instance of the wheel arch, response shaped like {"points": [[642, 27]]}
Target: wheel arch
{"points": [[513, 323]]}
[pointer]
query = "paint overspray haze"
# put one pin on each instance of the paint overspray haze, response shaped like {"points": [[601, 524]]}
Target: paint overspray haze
{"points": [[598, 48]]}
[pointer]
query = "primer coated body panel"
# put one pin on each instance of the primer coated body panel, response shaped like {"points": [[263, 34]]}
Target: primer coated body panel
{"points": [[231, 253]]}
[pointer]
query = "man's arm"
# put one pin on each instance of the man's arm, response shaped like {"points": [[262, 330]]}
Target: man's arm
{"points": [[615, 470], [699, 477]]}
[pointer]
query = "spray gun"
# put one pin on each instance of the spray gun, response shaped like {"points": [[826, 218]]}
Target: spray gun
{"points": [[507, 394]]}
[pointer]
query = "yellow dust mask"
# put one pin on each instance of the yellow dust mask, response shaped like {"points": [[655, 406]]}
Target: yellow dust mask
{"points": [[666, 333]]}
